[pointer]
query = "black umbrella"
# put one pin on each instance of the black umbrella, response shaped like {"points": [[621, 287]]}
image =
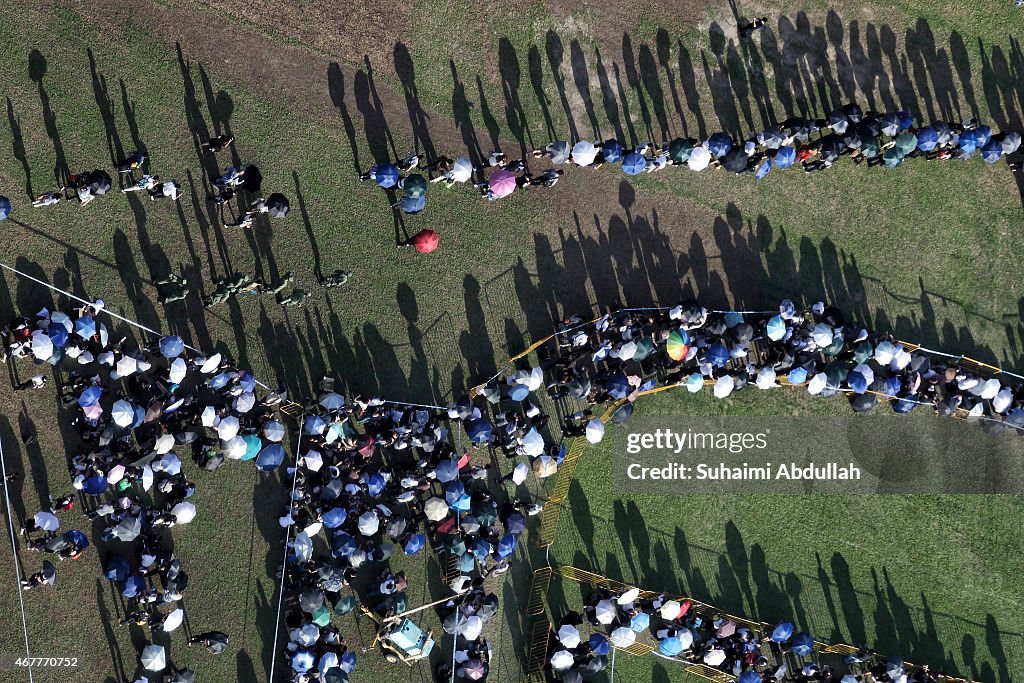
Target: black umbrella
{"points": [[55, 544], [863, 403], [572, 676], [944, 132], [716, 326], [870, 126], [594, 665], [736, 161], [396, 527], [463, 408], [579, 387], [890, 123], [332, 579], [853, 112], [277, 204], [216, 642], [178, 584], [772, 137], [253, 179], [332, 490], [311, 600], [838, 122], [622, 413], [184, 676], [851, 138], [99, 181], [49, 572], [831, 148], [798, 128]]}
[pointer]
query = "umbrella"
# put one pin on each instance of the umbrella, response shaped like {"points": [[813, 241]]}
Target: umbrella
{"points": [[385, 175], [817, 383], [184, 675], [832, 148], [699, 159], [46, 521], [984, 134], [785, 157], [273, 430], [776, 328], [501, 183], [99, 181], [210, 364], [314, 425], [173, 619], [334, 517], [133, 585], [253, 178], [270, 457], [558, 151], [764, 169], [718, 355], [412, 205], [342, 544], [670, 610], [278, 205], [332, 401], [115, 474], [583, 153], [633, 163], [782, 632], [163, 444], [42, 345], [415, 544], [154, 658], [228, 427], [1010, 142], [58, 334], [727, 628], [991, 152], [623, 637], [533, 443], [724, 386], [906, 143], [85, 327], [640, 622], [369, 523], [123, 413], [234, 448], [749, 677], [892, 157], [611, 150], [126, 366], [736, 160], [719, 144], [714, 657], [471, 628], [772, 137], [310, 600], [605, 612], [595, 431], [598, 644], [76, 538], [5, 208], [569, 636], [172, 346], [679, 150], [507, 545], [302, 661], [117, 568], [622, 413], [462, 170], [837, 121], [802, 645], [670, 647], [128, 529], [890, 123], [93, 412], [822, 334], [853, 112], [90, 396], [544, 466], [447, 470], [969, 141], [927, 139], [59, 318], [562, 659], [184, 512], [217, 642], [435, 509], [869, 146], [95, 485], [425, 241]]}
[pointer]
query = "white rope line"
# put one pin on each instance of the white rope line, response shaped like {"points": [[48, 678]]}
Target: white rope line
{"points": [[284, 565], [17, 566]]}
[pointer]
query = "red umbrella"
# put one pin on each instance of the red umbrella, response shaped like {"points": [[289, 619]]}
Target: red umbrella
{"points": [[425, 241]]}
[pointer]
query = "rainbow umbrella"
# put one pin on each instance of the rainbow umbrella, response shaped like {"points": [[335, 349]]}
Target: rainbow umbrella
{"points": [[678, 344]]}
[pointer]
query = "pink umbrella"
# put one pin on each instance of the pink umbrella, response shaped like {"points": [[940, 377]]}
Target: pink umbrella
{"points": [[115, 474], [93, 412], [501, 183]]}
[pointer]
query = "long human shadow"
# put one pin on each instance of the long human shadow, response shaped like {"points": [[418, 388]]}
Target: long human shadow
{"points": [[37, 72]]}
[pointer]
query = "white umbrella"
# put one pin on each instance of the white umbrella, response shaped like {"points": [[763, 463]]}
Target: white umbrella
{"points": [[126, 366], [817, 384], [534, 379], [435, 509], [209, 416], [699, 159], [233, 448], [629, 596], [569, 636], [584, 153], [42, 345], [544, 466], [471, 628], [306, 635], [147, 477], [115, 474], [228, 427], [303, 547], [273, 430], [178, 371], [462, 170], [210, 364], [105, 358], [332, 401], [885, 352], [561, 660], [519, 473], [184, 512], [313, 529], [533, 443], [605, 612], [626, 351], [104, 335], [724, 386], [123, 413], [685, 637], [154, 658], [901, 359], [164, 444], [173, 620], [822, 335], [623, 637], [670, 610], [765, 378], [1002, 401], [369, 523], [989, 389], [62, 319], [313, 461], [169, 463], [866, 371], [245, 402], [714, 657], [595, 430], [47, 521]]}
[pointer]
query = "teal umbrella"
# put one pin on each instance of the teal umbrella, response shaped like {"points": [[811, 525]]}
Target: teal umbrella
{"points": [[322, 616], [414, 186], [892, 157], [679, 150], [906, 143], [253, 444], [345, 605], [644, 347]]}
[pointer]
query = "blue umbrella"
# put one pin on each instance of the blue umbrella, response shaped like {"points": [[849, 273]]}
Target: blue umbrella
{"points": [[733, 318], [803, 644], [90, 396], [454, 491], [617, 386], [95, 485], [927, 139], [342, 544], [763, 169], [481, 549], [906, 120], [466, 563], [302, 661], [718, 355], [348, 661], [413, 205], [314, 425], [334, 517], [219, 381], [518, 392], [247, 381], [640, 622], [507, 545], [599, 644], [515, 524], [76, 537], [782, 632], [893, 386], [749, 677], [785, 157], [375, 486], [719, 144], [461, 504], [385, 175], [776, 328], [984, 134], [633, 163], [270, 457], [5, 207], [670, 647], [797, 375], [991, 152], [117, 568], [415, 544], [58, 334], [479, 430], [969, 141], [85, 327], [611, 150], [903, 406], [140, 416], [172, 346], [857, 382], [561, 455], [133, 585]]}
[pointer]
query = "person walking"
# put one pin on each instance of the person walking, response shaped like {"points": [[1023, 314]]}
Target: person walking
{"points": [[217, 144]]}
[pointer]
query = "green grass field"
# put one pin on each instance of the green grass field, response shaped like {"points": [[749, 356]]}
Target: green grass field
{"points": [[928, 250]]}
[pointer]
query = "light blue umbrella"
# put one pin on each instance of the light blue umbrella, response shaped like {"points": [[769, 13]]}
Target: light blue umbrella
{"points": [[85, 327], [302, 661], [797, 375], [776, 328], [969, 141], [733, 318], [253, 444], [633, 163], [461, 504], [640, 622], [695, 382], [334, 517], [90, 396], [270, 458], [348, 661], [518, 392], [782, 632], [481, 548], [785, 157], [172, 346], [413, 205], [763, 169], [670, 647]]}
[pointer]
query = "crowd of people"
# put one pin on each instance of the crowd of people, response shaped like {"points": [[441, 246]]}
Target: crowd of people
{"points": [[579, 644], [869, 138]]}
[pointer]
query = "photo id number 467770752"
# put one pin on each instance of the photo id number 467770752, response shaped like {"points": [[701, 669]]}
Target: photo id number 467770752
{"points": [[23, 662]]}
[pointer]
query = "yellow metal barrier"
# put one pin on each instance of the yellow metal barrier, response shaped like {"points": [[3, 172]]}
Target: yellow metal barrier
{"points": [[537, 652], [538, 589]]}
